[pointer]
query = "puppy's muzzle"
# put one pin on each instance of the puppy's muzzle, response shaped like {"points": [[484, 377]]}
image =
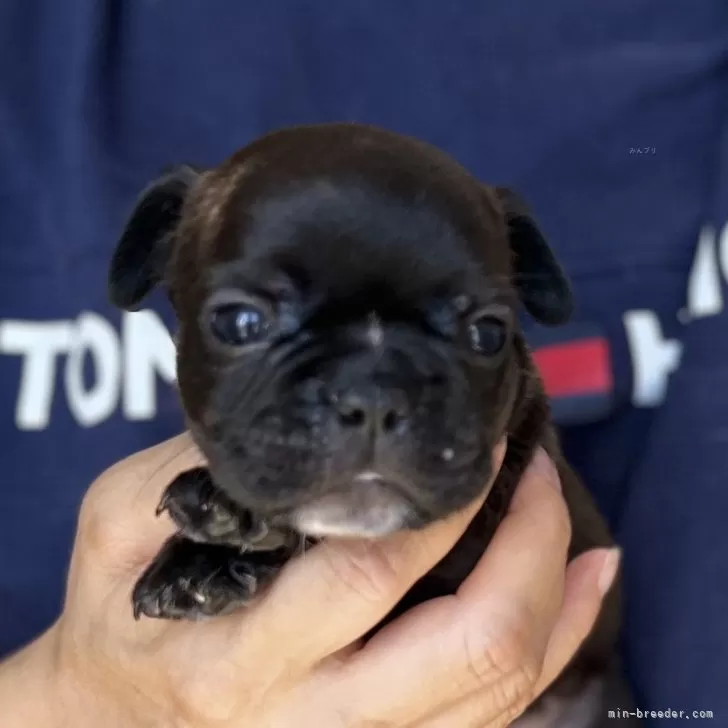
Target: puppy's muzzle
{"points": [[369, 420]]}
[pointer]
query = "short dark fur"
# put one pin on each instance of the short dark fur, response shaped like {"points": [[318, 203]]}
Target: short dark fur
{"points": [[324, 227]]}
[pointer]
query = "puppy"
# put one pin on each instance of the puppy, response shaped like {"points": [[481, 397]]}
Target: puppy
{"points": [[348, 356]]}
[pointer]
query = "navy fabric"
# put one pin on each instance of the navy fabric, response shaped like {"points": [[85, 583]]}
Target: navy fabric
{"points": [[609, 118]]}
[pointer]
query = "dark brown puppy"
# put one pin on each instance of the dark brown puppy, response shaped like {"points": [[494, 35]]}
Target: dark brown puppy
{"points": [[348, 356]]}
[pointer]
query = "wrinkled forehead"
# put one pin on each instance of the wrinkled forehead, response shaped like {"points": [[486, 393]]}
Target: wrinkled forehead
{"points": [[347, 235]]}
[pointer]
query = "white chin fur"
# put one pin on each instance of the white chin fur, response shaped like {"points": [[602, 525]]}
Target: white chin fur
{"points": [[337, 519]]}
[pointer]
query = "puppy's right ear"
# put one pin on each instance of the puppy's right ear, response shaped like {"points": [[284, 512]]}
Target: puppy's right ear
{"points": [[143, 250], [542, 284]]}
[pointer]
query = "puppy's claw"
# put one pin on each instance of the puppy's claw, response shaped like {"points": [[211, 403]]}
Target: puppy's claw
{"points": [[199, 598], [163, 504]]}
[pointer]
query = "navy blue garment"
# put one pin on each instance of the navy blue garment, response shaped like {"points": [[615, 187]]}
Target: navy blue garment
{"points": [[611, 119]]}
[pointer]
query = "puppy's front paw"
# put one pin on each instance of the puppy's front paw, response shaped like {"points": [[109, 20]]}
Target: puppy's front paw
{"points": [[203, 513], [189, 580]]}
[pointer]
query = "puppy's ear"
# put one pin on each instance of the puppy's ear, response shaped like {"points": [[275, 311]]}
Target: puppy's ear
{"points": [[541, 282], [143, 250]]}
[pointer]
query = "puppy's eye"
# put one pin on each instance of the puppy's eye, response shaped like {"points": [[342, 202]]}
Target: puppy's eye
{"points": [[238, 324], [487, 334]]}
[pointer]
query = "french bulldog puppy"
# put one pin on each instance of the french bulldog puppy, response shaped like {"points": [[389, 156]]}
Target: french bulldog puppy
{"points": [[348, 356]]}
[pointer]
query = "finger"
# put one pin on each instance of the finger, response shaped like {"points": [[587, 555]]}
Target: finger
{"points": [[523, 570], [481, 709], [588, 577], [355, 584], [493, 631], [118, 526]]}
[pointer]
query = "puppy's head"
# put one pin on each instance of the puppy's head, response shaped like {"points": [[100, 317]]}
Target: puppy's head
{"points": [[348, 351]]}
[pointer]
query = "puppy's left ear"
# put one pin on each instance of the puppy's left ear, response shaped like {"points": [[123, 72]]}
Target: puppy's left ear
{"points": [[541, 282], [144, 247]]}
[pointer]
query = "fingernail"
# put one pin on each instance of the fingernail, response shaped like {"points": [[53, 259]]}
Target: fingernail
{"points": [[609, 570], [544, 466], [499, 451]]}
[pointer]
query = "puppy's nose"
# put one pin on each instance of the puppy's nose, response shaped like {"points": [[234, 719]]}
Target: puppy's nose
{"points": [[382, 410]]}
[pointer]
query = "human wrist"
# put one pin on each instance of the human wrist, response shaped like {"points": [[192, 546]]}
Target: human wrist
{"points": [[41, 689], [29, 689]]}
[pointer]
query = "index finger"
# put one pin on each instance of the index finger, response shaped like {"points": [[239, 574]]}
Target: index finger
{"points": [[493, 631]]}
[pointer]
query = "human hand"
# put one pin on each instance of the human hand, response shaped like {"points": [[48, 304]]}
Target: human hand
{"points": [[293, 658]]}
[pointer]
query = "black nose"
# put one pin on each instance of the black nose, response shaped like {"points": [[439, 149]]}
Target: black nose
{"points": [[383, 410]]}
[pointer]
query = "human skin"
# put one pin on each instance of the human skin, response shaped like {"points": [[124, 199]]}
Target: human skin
{"points": [[476, 658]]}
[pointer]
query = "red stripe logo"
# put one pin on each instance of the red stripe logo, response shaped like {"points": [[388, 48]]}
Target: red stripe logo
{"points": [[574, 368]]}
